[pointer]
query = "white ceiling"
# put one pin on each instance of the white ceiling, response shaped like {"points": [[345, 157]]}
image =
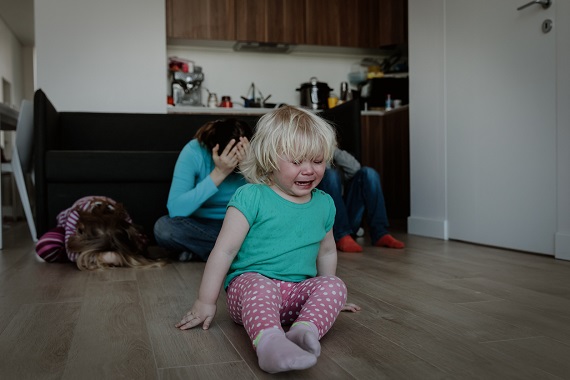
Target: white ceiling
{"points": [[18, 15]]}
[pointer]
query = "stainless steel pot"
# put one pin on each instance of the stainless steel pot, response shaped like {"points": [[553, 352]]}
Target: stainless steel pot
{"points": [[315, 94]]}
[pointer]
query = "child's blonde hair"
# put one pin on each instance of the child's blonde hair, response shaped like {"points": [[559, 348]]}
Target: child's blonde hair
{"points": [[106, 229], [287, 132]]}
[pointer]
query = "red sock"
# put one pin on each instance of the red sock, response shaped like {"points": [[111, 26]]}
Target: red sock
{"points": [[389, 241], [347, 244]]}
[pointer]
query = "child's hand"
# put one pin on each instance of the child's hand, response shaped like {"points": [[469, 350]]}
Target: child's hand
{"points": [[350, 307], [200, 312]]}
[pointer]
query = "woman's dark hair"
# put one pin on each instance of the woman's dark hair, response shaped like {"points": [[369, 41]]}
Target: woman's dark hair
{"points": [[221, 132]]}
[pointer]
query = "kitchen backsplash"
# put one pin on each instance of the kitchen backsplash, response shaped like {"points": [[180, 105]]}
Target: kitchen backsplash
{"points": [[227, 72]]}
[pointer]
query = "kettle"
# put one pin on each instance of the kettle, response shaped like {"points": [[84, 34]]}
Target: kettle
{"points": [[315, 94]]}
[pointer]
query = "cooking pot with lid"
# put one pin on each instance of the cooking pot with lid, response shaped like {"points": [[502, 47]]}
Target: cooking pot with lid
{"points": [[315, 94]]}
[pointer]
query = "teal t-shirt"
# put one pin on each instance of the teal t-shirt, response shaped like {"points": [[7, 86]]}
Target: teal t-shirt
{"points": [[284, 237]]}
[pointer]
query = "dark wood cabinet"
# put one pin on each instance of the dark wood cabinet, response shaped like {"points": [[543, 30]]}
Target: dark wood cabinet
{"points": [[385, 147], [322, 22], [357, 23], [276, 21], [391, 23], [338, 22], [201, 19]]}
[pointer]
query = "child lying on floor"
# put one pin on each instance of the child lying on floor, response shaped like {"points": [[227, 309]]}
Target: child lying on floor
{"points": [[96, 232]]}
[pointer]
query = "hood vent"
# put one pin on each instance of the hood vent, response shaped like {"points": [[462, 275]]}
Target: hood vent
{"points": [[262, 47]]}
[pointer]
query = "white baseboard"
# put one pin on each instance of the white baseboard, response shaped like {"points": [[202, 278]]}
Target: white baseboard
{"points": [[562, 246], [428, 227]]}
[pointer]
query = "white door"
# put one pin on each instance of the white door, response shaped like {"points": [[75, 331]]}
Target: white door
{"points": [[501, 124]]}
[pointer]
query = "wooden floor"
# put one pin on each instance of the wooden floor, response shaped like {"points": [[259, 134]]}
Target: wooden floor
{"points": [[436, 310]]}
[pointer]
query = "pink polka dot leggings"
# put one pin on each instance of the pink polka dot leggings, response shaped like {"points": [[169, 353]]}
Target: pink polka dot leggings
{"points": [[260, 303]]}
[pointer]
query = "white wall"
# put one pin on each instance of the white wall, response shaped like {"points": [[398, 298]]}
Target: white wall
{"points": [[11, 63], [104, 55], [227, 72]]}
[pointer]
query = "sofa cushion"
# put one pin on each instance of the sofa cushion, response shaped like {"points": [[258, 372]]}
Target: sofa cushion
{"points": [[109, 166]]}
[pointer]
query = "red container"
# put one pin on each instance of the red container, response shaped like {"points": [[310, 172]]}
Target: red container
{"points": [[226, 102]]}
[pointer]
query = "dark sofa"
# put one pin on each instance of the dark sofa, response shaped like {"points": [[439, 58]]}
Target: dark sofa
{"points": [[129, 157]]}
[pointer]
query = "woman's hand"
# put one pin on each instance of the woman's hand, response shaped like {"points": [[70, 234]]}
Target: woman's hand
{"points": [[242, 148], [225, 162], [350, 307], [228, 159], [200, 313]]}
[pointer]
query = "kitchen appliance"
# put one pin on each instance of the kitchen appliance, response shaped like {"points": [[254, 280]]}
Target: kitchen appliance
{"points": [[187, 87], [315, 94]]}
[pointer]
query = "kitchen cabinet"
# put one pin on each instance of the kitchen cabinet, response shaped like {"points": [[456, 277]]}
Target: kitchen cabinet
{"points": [[385, 147], [339, 22], [358, 23], [391, 26], [276, 21], [201, 19]]}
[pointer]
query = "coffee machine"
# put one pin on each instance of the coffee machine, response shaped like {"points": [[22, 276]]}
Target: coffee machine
{"points": [[187, 87]]}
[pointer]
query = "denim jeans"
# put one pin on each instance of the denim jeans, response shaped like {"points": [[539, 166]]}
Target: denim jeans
{"points": [[362, 193], [195, 235]]}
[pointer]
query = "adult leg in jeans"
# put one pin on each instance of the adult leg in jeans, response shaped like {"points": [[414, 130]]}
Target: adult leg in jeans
{"points": [[364, 192], [186, 234], [332, 185]]}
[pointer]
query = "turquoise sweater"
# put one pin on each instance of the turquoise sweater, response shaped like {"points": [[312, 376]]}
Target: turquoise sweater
{"points": [[193, 192]]}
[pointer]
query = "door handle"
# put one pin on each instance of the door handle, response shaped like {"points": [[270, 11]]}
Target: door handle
{"points": [[545, 4]]}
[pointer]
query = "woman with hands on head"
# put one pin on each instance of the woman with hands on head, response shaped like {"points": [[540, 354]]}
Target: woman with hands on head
{"points": [[205, 178]]}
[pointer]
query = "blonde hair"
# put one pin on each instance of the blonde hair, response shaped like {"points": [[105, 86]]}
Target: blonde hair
{"points": [[291, 132], [108, 229]]}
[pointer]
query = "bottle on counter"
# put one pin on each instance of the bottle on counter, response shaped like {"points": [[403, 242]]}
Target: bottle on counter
{"points": [[343, 93], [388, 102], [212, 100]]}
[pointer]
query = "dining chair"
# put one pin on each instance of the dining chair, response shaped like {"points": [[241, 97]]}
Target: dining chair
{"points": [[20, 164]]}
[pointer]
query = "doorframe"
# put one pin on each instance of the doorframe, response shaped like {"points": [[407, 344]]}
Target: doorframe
{"points": [[562, 23]]}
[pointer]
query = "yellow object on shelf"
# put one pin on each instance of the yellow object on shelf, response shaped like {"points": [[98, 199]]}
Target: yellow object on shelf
{"points": [[372, 75], [332, 101]]}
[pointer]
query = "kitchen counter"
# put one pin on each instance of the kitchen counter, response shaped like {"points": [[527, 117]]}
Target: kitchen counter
{"points": [[261, 111], [382, 111], [218, 110]]}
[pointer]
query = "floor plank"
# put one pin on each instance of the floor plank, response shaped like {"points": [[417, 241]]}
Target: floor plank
{"points": [[36, 343], [111, 339]]}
